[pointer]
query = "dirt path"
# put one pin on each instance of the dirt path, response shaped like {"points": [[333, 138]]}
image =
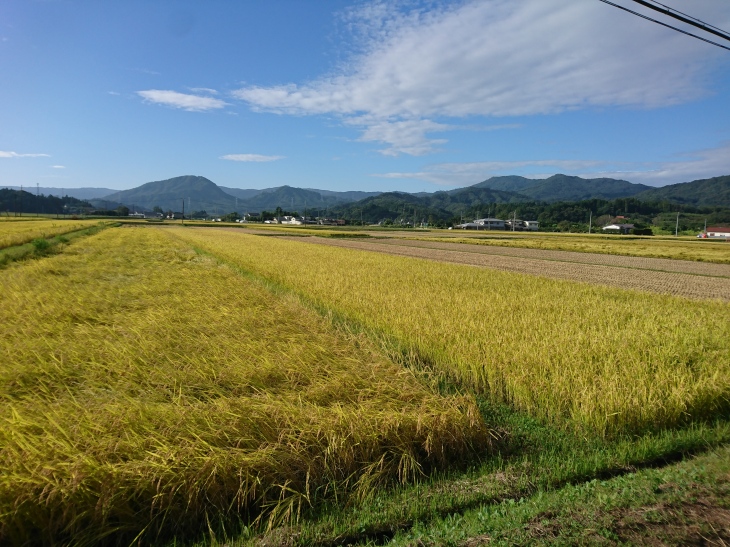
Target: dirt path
{"points": [[610, 270]]}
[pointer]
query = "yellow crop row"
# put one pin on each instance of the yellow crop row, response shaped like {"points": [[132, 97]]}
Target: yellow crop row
{"points": [[145, 388], [605, 359], [700, 250], [19, 233]]}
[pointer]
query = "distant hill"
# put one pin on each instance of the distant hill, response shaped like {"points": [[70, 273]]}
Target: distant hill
{"points": [[78, 193], [714, 192], [296, 199], [565, 188], [394, 205], [511, 183], [199, 194]]}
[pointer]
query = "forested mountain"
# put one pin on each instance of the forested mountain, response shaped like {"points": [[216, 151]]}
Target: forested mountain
{"points": [[78, 193], [565, 188], [198, 192], [16, 201], [714, 192]]}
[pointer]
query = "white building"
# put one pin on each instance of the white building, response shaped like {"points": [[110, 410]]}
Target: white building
{"points": [[620, 228], [719, 231]]}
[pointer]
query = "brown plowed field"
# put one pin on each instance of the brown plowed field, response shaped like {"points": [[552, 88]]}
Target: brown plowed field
{"points": [[622, 273]]}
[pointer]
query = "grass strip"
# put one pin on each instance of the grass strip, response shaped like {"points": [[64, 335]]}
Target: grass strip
{"points": [[539, 459]]}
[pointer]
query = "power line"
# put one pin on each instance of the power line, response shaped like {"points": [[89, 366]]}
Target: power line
{"points": [[665, 24], [686, 15], [680, 16]]}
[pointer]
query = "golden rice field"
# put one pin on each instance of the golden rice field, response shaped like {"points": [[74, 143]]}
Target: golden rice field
{"points": [[689, 285], [681, 249], [602, 359], [147, 389], [25, 231]]}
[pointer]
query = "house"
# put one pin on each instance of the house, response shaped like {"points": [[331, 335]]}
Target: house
{"points": [[522, 225], [618, 228], [489, 224], [719, 231]]}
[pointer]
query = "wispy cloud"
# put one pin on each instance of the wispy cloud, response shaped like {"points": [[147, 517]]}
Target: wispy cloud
{"points": [[112, 92], [250, 157], [58, 166], [4, 154], [687, 167], [494, 58], [184, 101]]}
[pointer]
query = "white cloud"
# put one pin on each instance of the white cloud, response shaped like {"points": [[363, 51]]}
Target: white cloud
{"points": [[58, 166], [192, 103], [4, 154], [497, 58], [250, 157], [112, 92], [692, 166]]}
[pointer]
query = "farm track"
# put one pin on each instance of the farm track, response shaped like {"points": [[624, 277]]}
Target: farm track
{"points": [[624, 272]]}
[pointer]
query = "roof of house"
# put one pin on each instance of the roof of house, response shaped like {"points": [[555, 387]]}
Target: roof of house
{"points": [[719, 229]]}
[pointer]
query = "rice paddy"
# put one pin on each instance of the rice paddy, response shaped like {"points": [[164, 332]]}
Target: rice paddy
{"points": [[18, 232], [600, 359], [161, 383], [146, 389]]}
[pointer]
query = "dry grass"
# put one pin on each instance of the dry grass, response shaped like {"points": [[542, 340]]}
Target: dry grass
{"points": [[146, 389], [21, 232], [699, 287], [603, 359]]}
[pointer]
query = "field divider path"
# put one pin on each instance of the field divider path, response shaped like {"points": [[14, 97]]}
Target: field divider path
{"points": [[693, 286]]}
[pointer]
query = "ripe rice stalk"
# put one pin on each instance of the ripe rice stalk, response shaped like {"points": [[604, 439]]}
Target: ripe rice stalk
{"points": [[19, 233], [146, 389], [600, 359]]}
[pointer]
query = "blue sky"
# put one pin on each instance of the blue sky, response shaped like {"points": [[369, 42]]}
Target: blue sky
{"points": [[366, 95]]}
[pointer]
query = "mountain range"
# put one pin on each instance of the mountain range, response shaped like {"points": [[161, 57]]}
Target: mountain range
{"points": [[201, 193]]}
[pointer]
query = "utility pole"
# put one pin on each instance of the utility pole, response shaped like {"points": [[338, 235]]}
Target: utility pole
{"points": [[590, 220], [182, 220], [676, 227]]}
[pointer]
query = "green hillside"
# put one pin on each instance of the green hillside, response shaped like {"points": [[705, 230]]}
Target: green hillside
{"points": [[714, 192], [565, 188], [198, 192]]}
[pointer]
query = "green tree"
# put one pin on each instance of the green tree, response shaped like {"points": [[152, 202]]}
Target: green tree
{"points": [[122, 210]]}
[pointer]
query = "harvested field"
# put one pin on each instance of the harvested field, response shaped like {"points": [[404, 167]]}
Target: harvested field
{"points": [[691, 249], [601, 273], [622, 261]]}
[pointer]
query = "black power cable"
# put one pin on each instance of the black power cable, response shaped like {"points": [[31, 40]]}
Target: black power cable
{"points": [[685, 18], [666, 25]]}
